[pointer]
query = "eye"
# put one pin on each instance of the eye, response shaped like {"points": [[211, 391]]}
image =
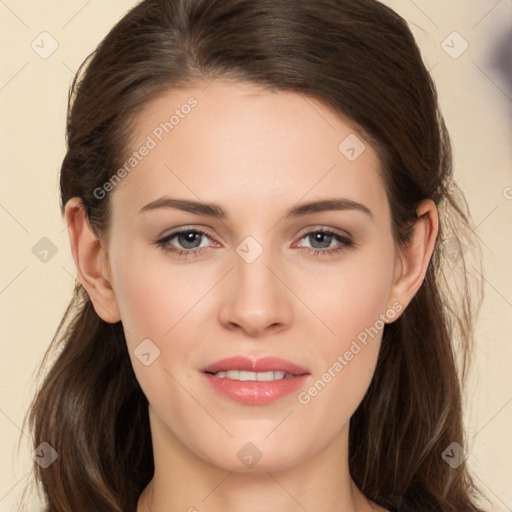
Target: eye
{"points": [[187, 242], [321, 242], [190, 243]]}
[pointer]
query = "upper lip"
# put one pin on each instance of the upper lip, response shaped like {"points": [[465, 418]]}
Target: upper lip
{"points": [[264, 364]]}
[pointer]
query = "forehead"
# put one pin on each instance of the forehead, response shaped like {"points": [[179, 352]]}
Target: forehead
{"points": [[240, 144]]}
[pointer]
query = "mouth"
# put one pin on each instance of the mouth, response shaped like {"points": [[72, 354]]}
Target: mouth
{"points": [[255, 381], [245, 376]]}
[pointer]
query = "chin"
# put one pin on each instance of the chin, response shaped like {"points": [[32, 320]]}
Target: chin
{"points": [[255, 457]]}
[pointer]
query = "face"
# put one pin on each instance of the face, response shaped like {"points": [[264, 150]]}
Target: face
{"points": [[293, 297]]}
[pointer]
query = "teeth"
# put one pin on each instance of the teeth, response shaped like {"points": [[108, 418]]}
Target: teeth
{"points": [[243, 375], [263, 376]]}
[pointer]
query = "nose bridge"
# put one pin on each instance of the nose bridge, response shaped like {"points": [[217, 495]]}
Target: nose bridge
{"points": [[257, 299]]}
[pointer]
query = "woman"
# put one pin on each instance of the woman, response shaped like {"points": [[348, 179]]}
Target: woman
{"points": [[255, 194]]}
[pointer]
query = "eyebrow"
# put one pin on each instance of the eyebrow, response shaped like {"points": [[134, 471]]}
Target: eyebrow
{"points": [[216, 211]]}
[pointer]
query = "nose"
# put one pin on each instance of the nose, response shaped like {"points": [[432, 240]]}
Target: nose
{"points": [[257, 300]]}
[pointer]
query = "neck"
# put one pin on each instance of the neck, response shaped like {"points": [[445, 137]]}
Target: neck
{"points": [[184, 481]]}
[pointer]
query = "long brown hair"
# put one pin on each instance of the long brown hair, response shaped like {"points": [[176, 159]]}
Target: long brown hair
{"points": [[360, 58]]}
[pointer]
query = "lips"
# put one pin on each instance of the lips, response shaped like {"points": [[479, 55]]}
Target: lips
{"points": [[255, 381]]}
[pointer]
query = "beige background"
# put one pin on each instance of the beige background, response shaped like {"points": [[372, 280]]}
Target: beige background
{"points": [[476, 99]]}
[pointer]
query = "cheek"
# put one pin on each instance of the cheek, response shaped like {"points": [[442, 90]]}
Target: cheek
{"points": [[143, 304], [353, 305], [153, 310], [159, 302], [154, 295], [363, 299], [351, 296]]}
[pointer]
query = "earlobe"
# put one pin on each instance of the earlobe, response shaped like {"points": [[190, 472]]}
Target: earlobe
{"points": [[413, 257], [91, 261]]}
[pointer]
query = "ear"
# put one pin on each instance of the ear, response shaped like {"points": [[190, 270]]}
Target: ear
{"points": [[91, 261], [413, 257]]}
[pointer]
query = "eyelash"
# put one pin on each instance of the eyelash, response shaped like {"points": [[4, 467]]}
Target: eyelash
{"points": [[163, 243]]}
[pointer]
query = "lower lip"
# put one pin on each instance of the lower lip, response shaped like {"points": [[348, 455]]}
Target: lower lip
{"points": [[252, 392]]}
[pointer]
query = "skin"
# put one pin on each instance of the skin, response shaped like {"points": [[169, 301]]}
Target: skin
{"points": [[255, 153]]}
